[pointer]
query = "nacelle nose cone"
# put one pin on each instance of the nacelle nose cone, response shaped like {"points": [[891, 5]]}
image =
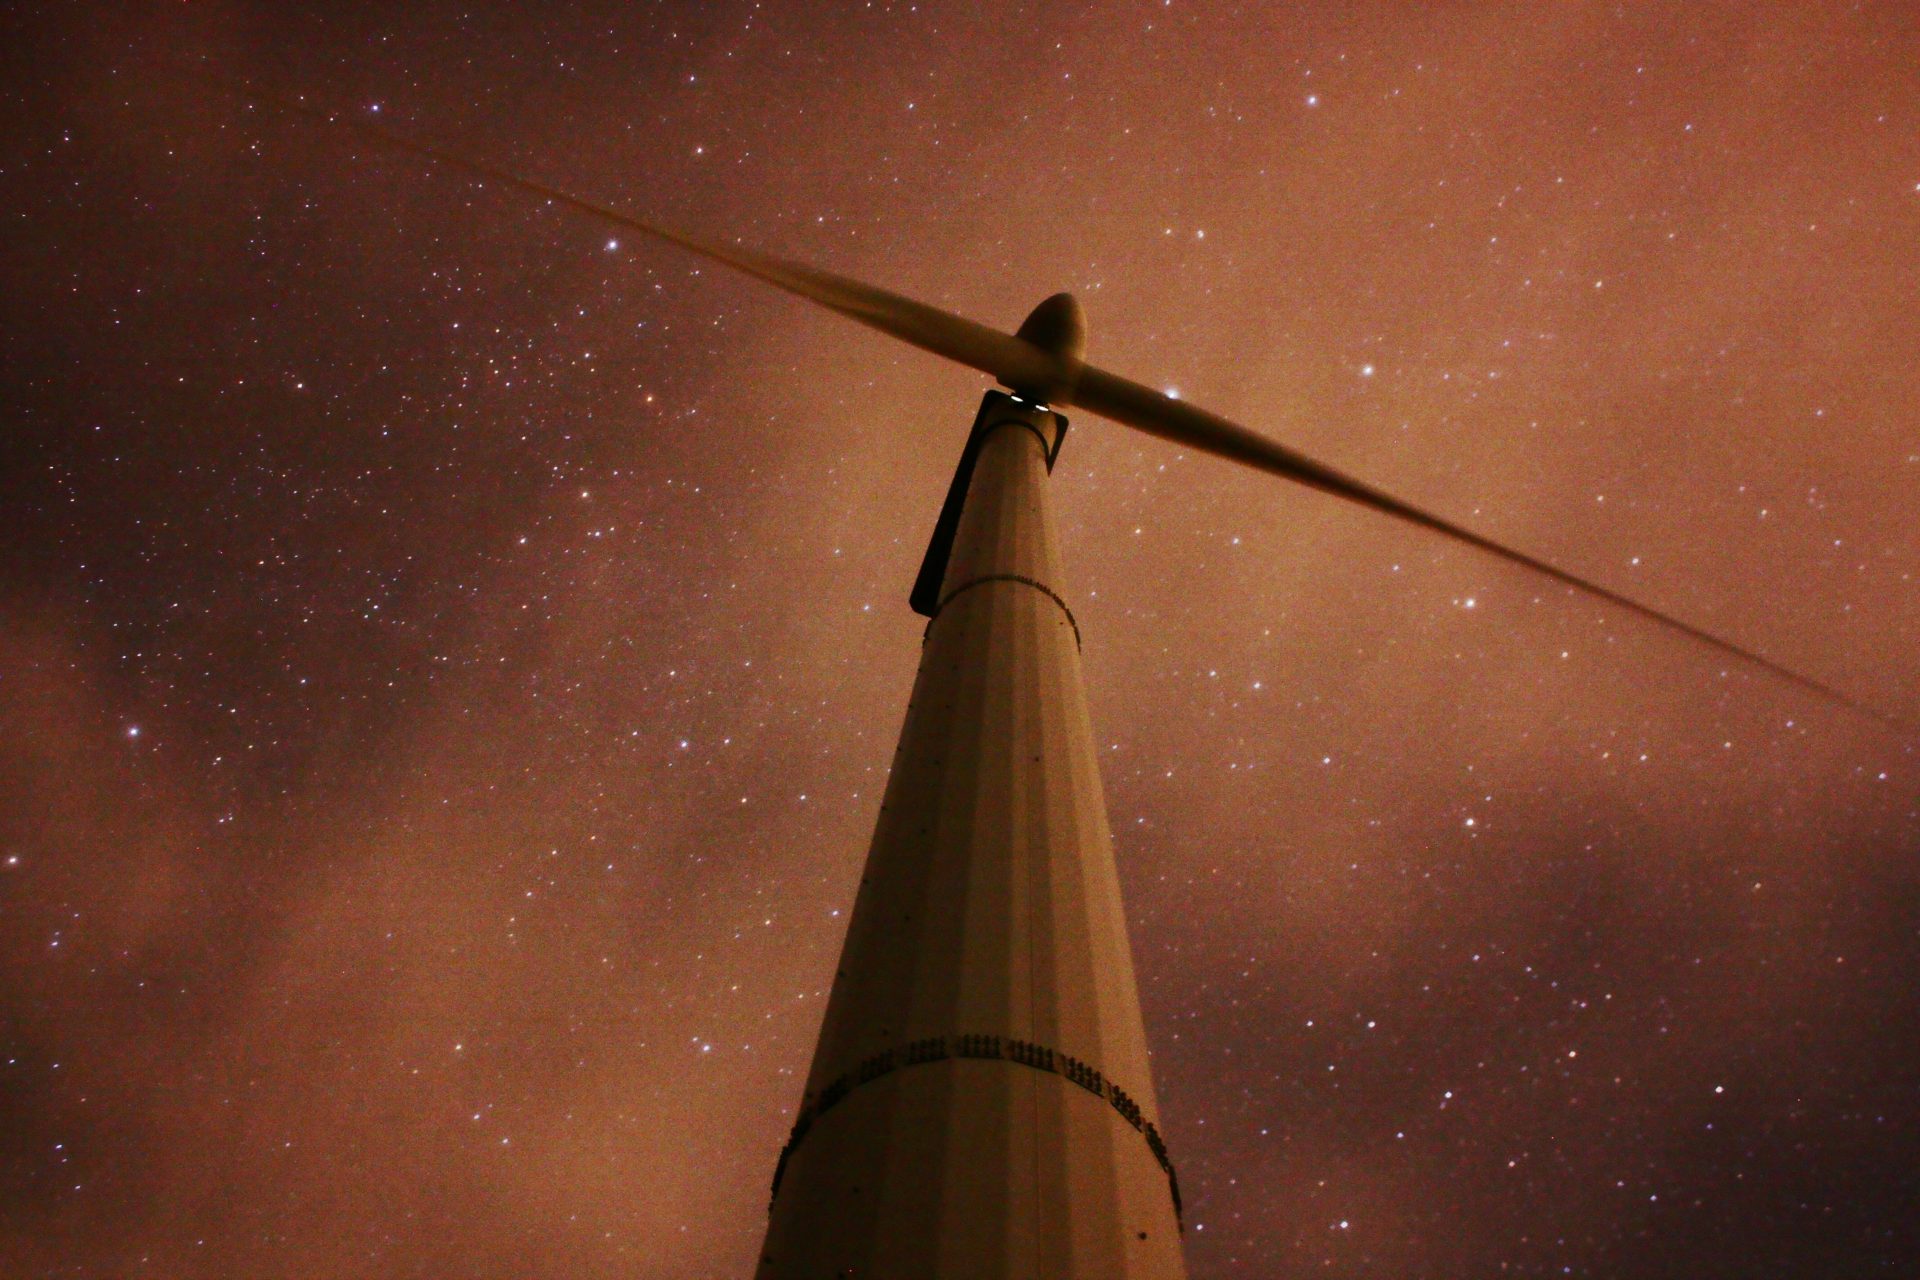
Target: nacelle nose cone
{"points": [[1058, 326]]}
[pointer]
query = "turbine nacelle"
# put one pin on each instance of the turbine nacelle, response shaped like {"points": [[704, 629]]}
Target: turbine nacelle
{"points": [[1058, 327]]}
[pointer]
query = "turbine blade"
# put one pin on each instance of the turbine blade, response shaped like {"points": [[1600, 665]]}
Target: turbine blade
{"points": [[1008, 359], [1157, 414]]}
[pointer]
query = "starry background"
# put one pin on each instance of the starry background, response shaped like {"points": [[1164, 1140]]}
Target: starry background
{"points": [[450, 653]]}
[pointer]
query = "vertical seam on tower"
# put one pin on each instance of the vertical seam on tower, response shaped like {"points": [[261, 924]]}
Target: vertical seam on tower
{"points": [[1034, 713]]}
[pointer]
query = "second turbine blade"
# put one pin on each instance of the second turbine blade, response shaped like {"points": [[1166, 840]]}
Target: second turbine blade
{"points": [[1145, 409]]}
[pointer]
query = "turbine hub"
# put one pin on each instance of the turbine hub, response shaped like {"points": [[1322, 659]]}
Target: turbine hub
{"points": [[1058, 327]]}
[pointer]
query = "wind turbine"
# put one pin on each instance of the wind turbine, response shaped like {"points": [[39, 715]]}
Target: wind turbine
{"points": [[980, 1102]]}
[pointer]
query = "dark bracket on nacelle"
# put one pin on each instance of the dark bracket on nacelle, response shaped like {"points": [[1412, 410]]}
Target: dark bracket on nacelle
{"points": [[933, 568]]}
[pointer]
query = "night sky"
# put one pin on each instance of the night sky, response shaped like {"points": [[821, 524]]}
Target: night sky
{"points": [[450, 650]]}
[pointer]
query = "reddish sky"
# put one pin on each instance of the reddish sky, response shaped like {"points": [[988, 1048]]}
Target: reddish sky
{"points": [[449, 653]]}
